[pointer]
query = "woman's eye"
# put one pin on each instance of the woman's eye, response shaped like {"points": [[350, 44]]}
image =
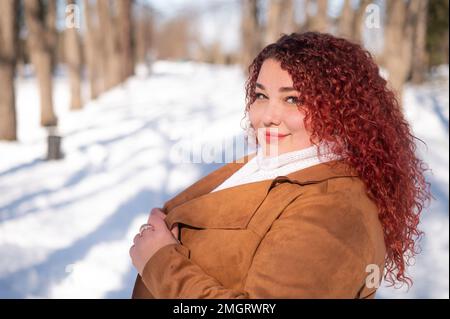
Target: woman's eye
{"points": [[292, 99], [289, 99]]}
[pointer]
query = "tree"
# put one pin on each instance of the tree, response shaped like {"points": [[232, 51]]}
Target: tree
{"points": [[93, 51], [398, 42], [250, 37], [110, 44], [73, 62], [319, 22], [8, 53], [41, 46], [437, 32], [346, 20], [420, 58], [280, 19], [358, 21], [351, 21], [174, 37], [143, 33], [127, 63]]}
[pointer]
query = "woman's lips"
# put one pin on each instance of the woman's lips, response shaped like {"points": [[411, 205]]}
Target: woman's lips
{"points": [[274, 137]]}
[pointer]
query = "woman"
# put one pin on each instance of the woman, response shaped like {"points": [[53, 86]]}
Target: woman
{"points": [[335, 209]]}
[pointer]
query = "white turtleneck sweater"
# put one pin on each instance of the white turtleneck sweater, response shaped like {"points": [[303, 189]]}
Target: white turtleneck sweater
{"points": [[263, 167]]}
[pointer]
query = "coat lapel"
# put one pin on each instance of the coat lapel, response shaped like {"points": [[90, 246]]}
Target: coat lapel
{"points": [[318, 173], [233, 207], [206, 184]]}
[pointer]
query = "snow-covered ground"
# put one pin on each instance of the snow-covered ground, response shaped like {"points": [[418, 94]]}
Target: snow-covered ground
{"points": [[66, 226]]}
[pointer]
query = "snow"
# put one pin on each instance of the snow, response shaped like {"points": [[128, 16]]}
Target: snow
{"points": [[426, 108], [66, 226]]}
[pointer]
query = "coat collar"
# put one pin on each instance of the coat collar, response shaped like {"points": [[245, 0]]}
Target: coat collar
{"points": [[192, 206]]}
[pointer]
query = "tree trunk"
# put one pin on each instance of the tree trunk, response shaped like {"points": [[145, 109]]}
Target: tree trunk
{"points": [[125, 38], [305, 22], [346, 20], [319, 22], [398, 44], [358, 22], [140, 38], [40, 47], [143, 35], [351, 21], [93, 52], [103, 17], [280, 19], [420, 65], [73, 62], [108, 29], [51, 32], [8, 53], [250, 40], [217, 55]]}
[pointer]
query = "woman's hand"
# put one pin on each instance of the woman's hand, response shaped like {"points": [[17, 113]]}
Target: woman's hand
{"points": [[147, 243]]}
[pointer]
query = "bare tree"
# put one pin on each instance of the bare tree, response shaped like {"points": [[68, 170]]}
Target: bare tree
{"points": [[174, 38], [280, 19], [127, 60], [73, 62], [143, 34], [250, 37], [319, 22], [358, 22], [420, 57], [41, 45], [437, 33], [346, 20], [351, 21], [93, 51], [52, 33], [398, 43], [217, 54], [8, 53], [110, 44], [304, 11]]}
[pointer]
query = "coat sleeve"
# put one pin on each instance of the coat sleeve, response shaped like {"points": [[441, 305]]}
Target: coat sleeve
{"points": [[309, 252]]}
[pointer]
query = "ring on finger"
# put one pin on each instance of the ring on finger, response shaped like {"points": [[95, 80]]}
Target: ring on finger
{"points": [[145, 227]]}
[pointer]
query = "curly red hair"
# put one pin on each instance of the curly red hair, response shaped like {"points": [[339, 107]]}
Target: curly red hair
{"points": [[349, 107]]}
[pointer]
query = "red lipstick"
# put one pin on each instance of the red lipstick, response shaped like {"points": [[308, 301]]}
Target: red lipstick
{"points": [[272, 136]]}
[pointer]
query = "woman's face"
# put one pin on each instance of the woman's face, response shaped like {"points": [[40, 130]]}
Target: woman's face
{"points": [[274, 114]]}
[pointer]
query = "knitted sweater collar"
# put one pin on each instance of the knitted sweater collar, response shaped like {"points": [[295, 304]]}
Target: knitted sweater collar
{"points": [[304, 155]]}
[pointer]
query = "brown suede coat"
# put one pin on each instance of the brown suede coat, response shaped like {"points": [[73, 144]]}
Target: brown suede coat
{"points": [[309, 234]]}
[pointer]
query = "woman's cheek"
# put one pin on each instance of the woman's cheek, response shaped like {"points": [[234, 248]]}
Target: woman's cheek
{"points": [[254, 116], [294, 121]]}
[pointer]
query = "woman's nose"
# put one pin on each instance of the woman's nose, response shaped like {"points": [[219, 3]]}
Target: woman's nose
{"points": [[272, 115]]}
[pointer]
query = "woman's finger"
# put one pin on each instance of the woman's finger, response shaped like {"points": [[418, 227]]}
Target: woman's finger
{"points": [[136, 238], [175, 230], [156, 212]]}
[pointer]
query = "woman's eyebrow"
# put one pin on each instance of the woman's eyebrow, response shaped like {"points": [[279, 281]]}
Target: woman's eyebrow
{"points": [[282, 89]]}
